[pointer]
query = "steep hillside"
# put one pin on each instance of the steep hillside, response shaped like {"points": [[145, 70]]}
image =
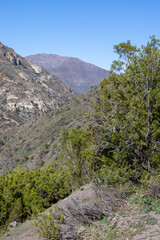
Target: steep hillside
{"points": [[113, 218], [27, 90], [36, 143], [79, 75]]}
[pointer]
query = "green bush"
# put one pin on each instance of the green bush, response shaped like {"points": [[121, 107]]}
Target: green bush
{"points": [[48, 227], [24, 193], [46, 145], [76, 156], [127, 115]]}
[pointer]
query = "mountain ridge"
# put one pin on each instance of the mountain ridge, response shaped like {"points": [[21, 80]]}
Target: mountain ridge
{"points": [[76, 73], [27, 90]]}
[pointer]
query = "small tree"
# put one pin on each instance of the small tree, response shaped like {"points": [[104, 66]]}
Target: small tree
{"points": [[76, 155], [127, 119]]}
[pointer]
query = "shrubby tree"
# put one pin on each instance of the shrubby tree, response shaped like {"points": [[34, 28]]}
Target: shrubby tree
{"points": [[127, 118], [76, 156]]}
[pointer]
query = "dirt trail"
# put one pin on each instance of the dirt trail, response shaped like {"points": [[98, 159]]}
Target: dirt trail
{"points": [[152, 232]]}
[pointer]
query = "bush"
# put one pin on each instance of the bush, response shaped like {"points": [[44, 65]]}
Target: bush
{"points": [[76, 156], [24, 193], [127, 115], [48, 227]]}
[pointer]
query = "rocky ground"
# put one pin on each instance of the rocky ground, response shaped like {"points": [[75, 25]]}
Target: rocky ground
{"points": [[129, 223]]}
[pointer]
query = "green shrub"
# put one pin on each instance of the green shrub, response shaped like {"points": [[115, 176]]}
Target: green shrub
{"points": [[48, 227], [76, 156], [127, 115], [46, 146], [24, 193]]}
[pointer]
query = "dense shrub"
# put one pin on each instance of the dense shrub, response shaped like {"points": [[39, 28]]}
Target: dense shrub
{"points": [[24, 193], [76, 156], [126, 124], [47, 227]]}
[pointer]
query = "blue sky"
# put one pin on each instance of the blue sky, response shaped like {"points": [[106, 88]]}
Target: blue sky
{"points": [[86, 29]]}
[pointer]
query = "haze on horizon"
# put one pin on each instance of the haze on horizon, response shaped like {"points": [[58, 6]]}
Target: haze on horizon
{"points": [[85, 29]]}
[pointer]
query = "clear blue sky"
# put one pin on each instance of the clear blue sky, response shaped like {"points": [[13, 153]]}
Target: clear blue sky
{"points": [[86, 29]]}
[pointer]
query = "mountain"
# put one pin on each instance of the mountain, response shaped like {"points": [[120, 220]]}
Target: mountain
{"points": [[36, 142], [27, 90], [79, 75], [35, 107]]}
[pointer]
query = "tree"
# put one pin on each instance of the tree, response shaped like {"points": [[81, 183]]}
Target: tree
{"points": [[127, 119], [76, 156]]}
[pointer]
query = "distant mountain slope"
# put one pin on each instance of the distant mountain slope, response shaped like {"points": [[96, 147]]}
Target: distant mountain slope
{"points": [[36, 142], [27, 90], [79, 75]]}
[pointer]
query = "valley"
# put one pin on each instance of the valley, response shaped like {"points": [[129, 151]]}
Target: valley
{"points": [[80, 167]]}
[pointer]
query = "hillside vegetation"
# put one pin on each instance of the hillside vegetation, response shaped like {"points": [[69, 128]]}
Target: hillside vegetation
{"points": [[36, 143], [119, 152]]}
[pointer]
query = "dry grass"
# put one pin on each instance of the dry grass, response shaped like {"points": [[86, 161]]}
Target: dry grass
{"points": [[77, 214], [154, 188]]}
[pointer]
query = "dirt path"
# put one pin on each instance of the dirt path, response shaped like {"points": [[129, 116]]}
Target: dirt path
{"points": [[152, 231]]}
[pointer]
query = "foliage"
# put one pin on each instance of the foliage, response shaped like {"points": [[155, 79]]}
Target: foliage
{"points": [[48, 227], [127, 118], [148, 196], [121, 145], [24, 193], [77, 156]]}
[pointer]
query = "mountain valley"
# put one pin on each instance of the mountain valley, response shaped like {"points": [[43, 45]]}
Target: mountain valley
{"points": [[80, 167]]}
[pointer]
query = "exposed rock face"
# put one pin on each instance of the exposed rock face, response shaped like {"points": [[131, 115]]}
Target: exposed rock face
{"points": [[27, 90], [79, 75], [36, 142]]}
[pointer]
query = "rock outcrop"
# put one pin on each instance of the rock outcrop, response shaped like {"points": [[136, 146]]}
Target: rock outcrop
{"points": [[27, 90]]}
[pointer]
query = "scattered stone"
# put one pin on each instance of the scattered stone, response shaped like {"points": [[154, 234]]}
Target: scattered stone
{"points": [[13, 224]]}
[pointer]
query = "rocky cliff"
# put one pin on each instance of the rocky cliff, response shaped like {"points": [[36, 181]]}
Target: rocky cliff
{"points": [[27, 90]]}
